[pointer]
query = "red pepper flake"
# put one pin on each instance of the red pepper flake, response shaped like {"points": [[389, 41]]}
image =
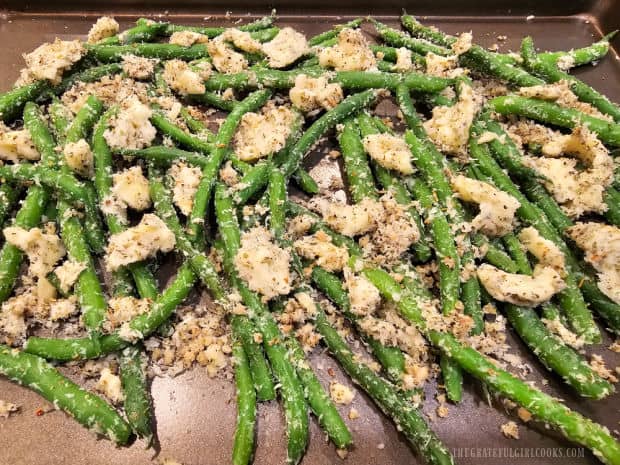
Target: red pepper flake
{"points": [[39, 412], [330, 372]]}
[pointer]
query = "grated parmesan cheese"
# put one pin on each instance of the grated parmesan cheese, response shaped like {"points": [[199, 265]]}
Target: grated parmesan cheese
{"points": [[132, 188], [363, 295], [50, 60], [138, 67], [44, 250], [521, 289], [285, 48], [389, 151], [225, 59], [17, 145], [180, 77], [131, 128], [351, 53], [309, 93], [263, 265], [186, 180], [449, 126], [7, 408], [544, 250], [79, 157], [138, 243], [68, 273], [510, 430], [601, 244], [340, 393], [261, 134], [241, 40], [320, 249], [350, 220], [497, 208], [104, 27], [187, 38], [110, 385]]}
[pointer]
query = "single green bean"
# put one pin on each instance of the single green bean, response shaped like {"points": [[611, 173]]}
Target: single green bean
{"points": [[88, 409], [137, 403], [548, 112], [243, 445]]}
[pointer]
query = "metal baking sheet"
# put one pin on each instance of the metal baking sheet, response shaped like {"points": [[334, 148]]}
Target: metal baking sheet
{"points": [[196, 415]]}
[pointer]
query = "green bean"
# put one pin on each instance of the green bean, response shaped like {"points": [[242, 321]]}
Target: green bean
{"points": [[28, 216], [209, 174], [305, 182], [214, 99], [506, 150], [88, 409], [319, 401], [290, 387], [144, 31], [80, 128], [168, 128], [542, 406], [389, 181], [399, 39], [195, 125], [251, 182], [200, 263], [328, 120], [431, 34], [513, 245], [137, 403], [88, 287], [391, 358], [550, 350], [59, 120], [162, 154], [213, 32], [333, 32], [277, 200], [407, 418], [555, 355], [39, 132], [584, 55], [359, 177], [8, 199], [548, 112], [13, 101], [570, 298], [143, 278], [390, 54], [88, 75], [243, 445], [352, 80], [551, 221], [612, 200], [112, 53], [548, 70], [449, 279], [244, 330], [448, 257], [142, 326], [478, 58]]}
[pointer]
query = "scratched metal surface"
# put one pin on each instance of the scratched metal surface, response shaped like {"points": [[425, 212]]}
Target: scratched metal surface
{"points": [[196, 415]]}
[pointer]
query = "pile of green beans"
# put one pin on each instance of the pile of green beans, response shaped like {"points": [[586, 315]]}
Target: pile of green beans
{"points": [[231, 195]]}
